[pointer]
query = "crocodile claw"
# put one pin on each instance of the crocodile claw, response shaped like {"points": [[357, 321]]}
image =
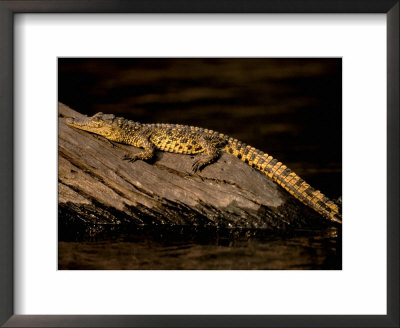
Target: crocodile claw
{"points": [[197, 166], [130, 159]]}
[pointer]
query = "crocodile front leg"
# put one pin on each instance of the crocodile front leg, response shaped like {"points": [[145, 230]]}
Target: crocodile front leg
{"points": [[146, 154]]}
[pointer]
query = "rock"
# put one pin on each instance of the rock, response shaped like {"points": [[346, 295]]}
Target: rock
{"points": [[97, 187]]}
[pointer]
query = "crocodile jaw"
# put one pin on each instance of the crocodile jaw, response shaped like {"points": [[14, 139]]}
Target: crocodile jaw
{"points": [[92, 124], [77, 122], [85, 123]]}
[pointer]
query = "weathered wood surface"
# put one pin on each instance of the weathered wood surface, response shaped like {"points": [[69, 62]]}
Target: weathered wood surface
{"points": [[96, 186]]}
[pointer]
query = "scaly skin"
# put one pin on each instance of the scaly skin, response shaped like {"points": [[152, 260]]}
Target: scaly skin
{"points": [[183, 139]]}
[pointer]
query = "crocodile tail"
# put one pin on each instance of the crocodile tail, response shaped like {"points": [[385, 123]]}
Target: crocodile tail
{"points": [[285, 177]]}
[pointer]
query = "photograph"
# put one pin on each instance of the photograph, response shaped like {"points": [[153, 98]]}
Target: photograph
{"points": [[195, 164], [199, 163]]}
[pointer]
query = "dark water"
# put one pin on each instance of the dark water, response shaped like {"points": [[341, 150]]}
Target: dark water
{"points": [[289, 108], [184, 248]]}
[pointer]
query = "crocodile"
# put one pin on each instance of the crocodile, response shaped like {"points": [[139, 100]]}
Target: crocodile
{"points": [[206, 145]]}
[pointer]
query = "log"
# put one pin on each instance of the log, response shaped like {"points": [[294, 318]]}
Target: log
{"points": [[97, 187]]}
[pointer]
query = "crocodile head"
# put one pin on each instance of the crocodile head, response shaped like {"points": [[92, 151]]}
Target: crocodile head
{"points": [[106, 125]]}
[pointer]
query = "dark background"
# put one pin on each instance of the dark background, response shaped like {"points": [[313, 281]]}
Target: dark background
{"points": [[289, 108]]}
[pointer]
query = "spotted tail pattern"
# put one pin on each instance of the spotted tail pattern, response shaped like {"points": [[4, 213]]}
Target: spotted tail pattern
{"points": [[285, 177]]}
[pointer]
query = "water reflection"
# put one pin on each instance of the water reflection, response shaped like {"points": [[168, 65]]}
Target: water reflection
{"points": [[183, 248]]}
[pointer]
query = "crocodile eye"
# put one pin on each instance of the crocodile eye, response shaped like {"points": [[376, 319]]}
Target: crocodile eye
{"points": [[97, 116], [108, 116]]}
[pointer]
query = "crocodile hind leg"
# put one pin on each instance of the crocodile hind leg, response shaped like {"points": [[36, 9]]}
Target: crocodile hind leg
{"points": [[208, 156]]}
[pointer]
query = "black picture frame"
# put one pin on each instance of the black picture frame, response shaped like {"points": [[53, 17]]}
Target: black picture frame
{"points": [[7, 10]]}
